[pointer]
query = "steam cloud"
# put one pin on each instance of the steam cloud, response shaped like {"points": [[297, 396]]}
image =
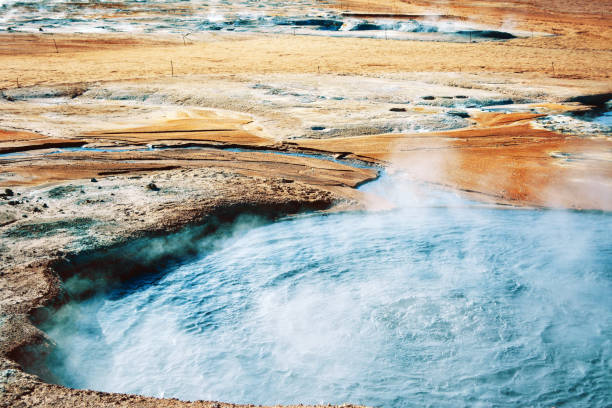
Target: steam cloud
{"points": [[441, 304]]}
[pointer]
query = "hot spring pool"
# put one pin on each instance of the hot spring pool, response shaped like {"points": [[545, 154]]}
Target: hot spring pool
{"points": [[435, 304]]}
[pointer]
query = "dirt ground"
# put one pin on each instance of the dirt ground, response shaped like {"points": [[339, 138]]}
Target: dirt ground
{"points": [[106, 59]]}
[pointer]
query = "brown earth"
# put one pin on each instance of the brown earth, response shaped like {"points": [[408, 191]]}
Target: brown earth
{"points": [[197, 126], [17, 141], [514, 163], [104, 58], [503, 159], [82, 165]]}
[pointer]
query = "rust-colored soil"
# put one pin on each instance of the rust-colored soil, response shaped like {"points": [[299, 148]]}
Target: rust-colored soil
{"points": [[202, 126], [85, 165], [19, 141], [503, 159], [513, 162], [490, 119]]}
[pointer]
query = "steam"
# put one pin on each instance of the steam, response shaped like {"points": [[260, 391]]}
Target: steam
{"points": [[508, 25], [438, 302], [594, 192], [95, 274]]}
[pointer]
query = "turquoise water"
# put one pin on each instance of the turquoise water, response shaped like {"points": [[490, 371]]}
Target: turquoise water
{"points": [[440, 302], [605, 119]]}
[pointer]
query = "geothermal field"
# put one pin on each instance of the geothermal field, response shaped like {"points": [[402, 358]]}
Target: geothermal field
{"points": [[238, 203]]}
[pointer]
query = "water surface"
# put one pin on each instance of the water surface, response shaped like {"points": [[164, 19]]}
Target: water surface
{"points": [[438, 303]]}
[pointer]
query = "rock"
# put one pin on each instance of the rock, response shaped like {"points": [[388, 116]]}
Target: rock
{"points": [[459, 114], [62, 191], [75, 91], [5, 375], [492, 34], [398, 109], [94, 180], [8, 192], [428, 98], [152, 186], [45, 205]]}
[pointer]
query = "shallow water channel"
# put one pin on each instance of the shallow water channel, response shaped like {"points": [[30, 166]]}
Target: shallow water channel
{"points": [[440, 302]]}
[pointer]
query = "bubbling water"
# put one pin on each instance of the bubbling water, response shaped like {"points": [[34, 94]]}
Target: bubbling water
{"points": [[439, 303]]}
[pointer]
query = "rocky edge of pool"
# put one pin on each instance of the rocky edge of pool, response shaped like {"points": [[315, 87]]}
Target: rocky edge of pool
{"points": [[53, 230]]}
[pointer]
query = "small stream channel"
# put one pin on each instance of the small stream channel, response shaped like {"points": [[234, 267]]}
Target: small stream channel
{"points": [[440, 302]]}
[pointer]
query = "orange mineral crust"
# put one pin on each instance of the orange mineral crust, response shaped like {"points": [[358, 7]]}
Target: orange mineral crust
{"points": [[19, 141], [514, 163], [503, 159]]}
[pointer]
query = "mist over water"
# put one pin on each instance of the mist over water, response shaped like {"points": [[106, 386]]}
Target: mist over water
{"points": [[437, 303]]}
